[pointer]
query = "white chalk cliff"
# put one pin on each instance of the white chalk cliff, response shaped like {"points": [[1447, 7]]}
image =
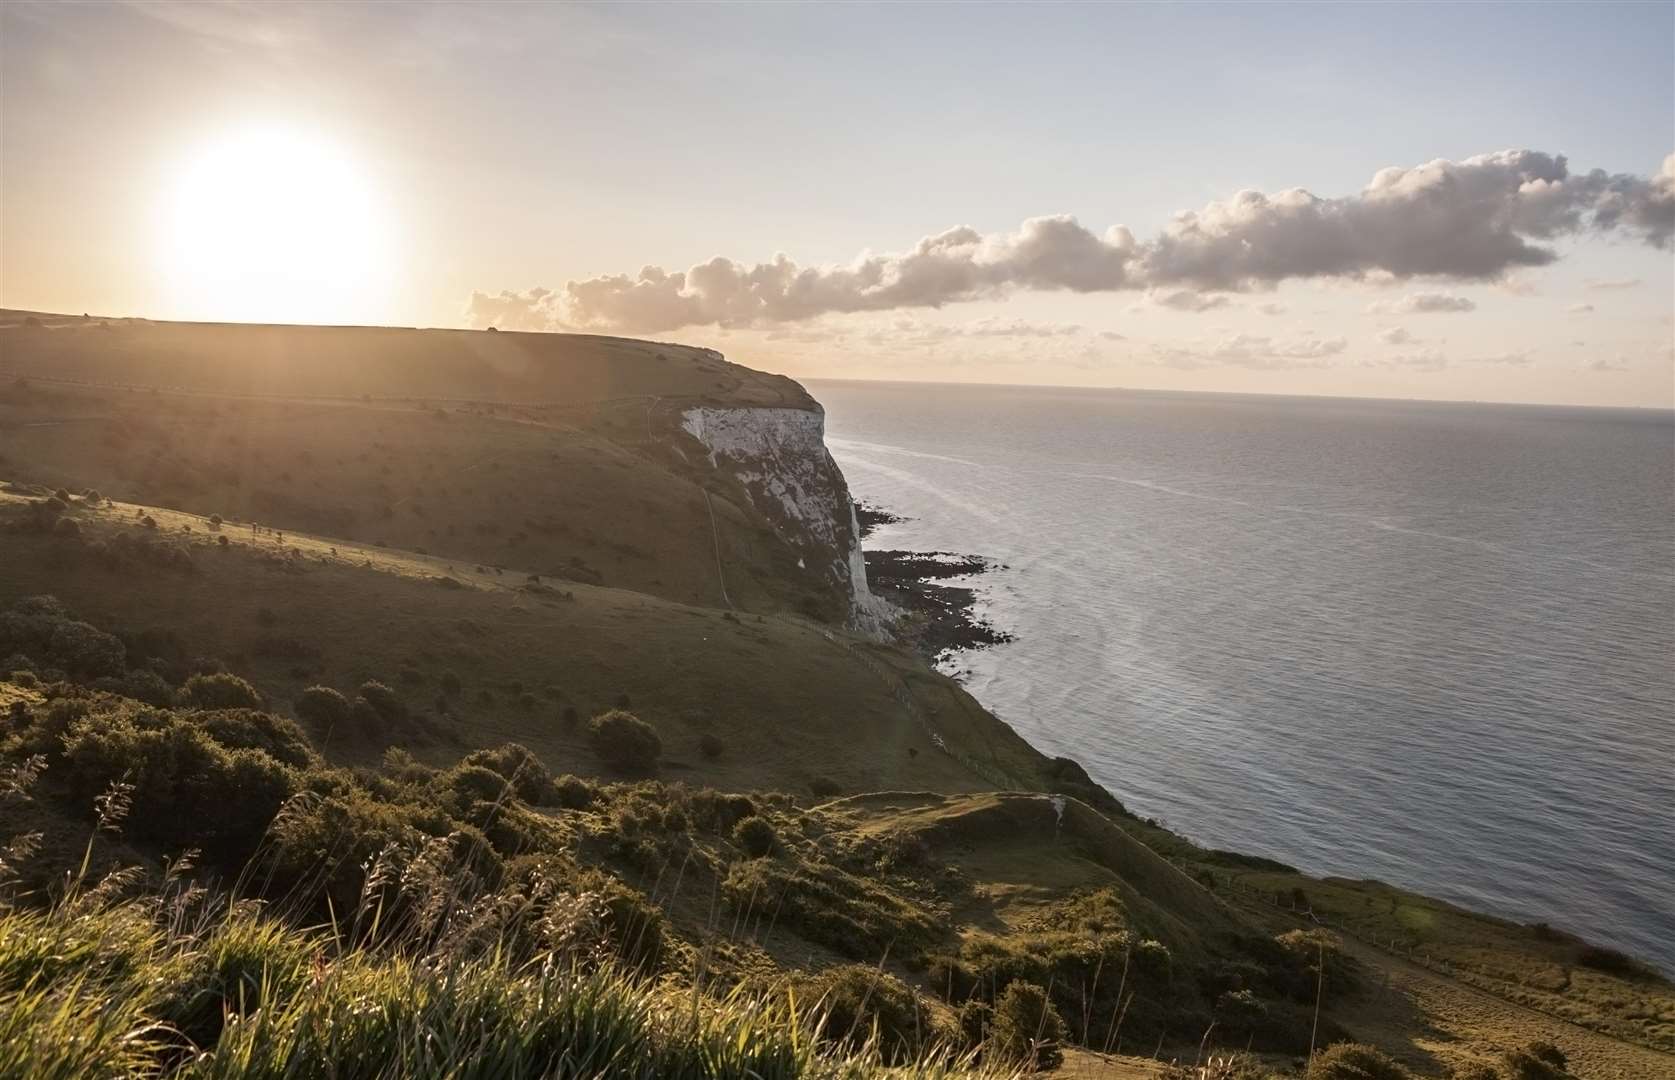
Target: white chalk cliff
{"points": [[779, 455]]}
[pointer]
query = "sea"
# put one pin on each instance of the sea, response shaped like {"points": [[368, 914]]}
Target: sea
{"points": [[1428, 643]]}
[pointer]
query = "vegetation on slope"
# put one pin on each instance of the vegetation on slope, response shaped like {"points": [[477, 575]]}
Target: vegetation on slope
{"points": [[354, 736]]}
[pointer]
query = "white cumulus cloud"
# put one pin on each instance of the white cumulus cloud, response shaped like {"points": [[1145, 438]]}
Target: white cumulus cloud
{"points": [[1479, 219]]}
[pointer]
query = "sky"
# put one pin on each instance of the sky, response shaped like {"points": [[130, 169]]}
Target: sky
{"points": [[1469, 202]]}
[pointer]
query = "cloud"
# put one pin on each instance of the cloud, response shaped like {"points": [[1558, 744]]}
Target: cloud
{"points": [[1185, 300], [1581, 309], [1474, 220], [1417, 360], [1423, 303], [1600, 363], [1611, 284], [1251, 351], [1397, 335], [536, 309], [1509, 359], [1018, 328], [1112, 335], [1048, 253], [1271, 309]]}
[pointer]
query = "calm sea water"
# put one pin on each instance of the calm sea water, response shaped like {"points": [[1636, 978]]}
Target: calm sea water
{"points": [[1432, 644]]}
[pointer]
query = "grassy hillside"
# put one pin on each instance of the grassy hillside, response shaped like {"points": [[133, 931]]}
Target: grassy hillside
{"points": [[371, 689], [556, 454], [796, 706], [386, 363]]}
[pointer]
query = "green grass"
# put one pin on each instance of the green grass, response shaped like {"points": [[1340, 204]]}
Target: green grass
{"points": [[180, 985]]}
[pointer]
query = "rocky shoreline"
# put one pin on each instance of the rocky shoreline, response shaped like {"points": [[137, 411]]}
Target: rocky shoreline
{"points": [[941, 618]]}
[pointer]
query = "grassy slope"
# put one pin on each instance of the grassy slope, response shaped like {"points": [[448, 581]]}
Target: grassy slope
{"points": [[587, 477], [585, 449], [790, 705]]}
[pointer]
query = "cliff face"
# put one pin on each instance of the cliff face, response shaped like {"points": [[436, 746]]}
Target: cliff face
{"points": [[779, 457]]}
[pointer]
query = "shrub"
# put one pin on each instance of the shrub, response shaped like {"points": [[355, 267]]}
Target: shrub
{"points": [[366, 720], [251, 729], [573, 793], [711, 745], [41, 627], [856, 1000], [476, 782], [220, 691], [1240, 1011], [450, 684], [755, 836], [625, 741], [27, 679], [1613, 962], [1026, 1027], [636, 927], [1303, 951], [1537, 1061], [390, 708], [1355, 1061], [515, 763], [322, 708], [141, 685], [975, 1017], [824, 787], [187, 789]]}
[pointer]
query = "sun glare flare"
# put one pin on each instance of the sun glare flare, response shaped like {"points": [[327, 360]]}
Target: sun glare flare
{"points": [[273, 225]]}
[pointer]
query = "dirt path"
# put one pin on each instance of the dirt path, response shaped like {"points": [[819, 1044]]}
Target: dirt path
{"points": [[1453, 1016]]}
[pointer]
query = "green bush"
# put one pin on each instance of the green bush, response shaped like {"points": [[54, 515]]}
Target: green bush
{"points": [[365, 720], [139, 684], [251, 729], [710, 745], [625, 741], [573, 793], [1355, 1061], [220, 691], [975, 1017], [1027, 1028], [1537, 1061], [516, 763], [755, 836], [41, 627], [322, 708], [1301, 954], [477, 783], [858, 1001], [389, 706], [186, 789]]}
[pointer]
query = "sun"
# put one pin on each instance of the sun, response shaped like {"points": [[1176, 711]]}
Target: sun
{"points": [[274, 225]]}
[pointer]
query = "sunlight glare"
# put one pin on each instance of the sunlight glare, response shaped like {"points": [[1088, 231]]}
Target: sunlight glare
{"points": [[273, 225]]}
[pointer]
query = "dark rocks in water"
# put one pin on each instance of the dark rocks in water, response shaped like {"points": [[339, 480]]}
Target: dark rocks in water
{"points": [[945, 621], [870, 517]]}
